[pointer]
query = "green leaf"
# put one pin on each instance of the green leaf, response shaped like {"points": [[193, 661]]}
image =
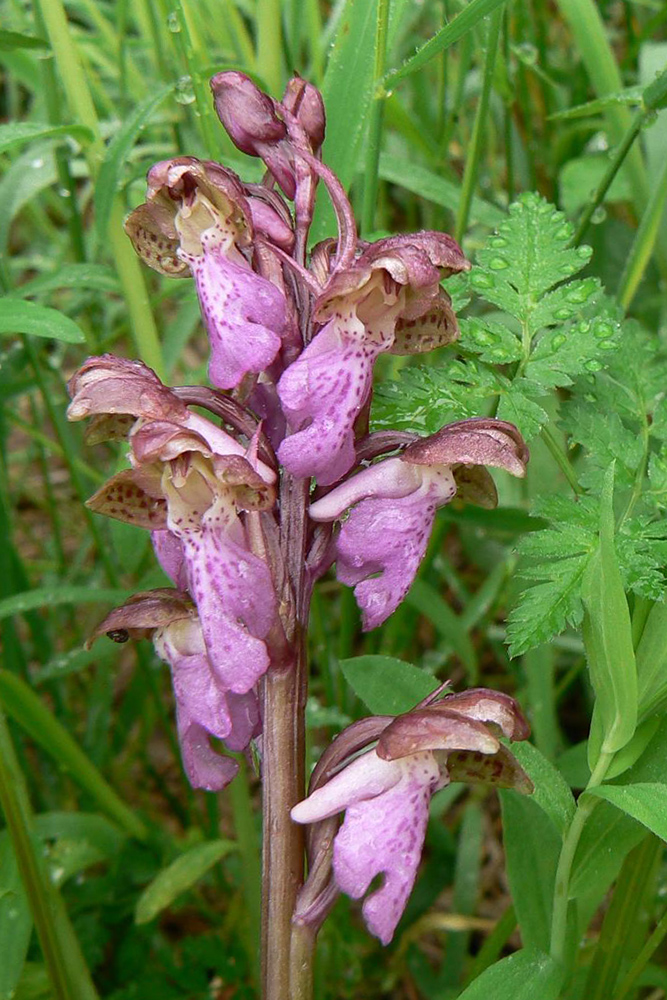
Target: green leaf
{"points": [[607, 838], [179, 876], [552, 793], [528, 255], [562, 354], [18, 133], [98, 277], [18, 316], [492, 341], [48, 597], [532, 848], [27, 710], [108, 179], [10, 40], [646, 803], [464, 22], [347, 90], [15, 920], [608, 635], [426, 599], [385, 685], [523, 976], [435, 188], [557, 557]]}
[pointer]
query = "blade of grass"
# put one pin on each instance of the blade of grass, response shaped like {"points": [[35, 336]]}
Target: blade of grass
{"points": [[643, 243], [69, 976], [375, 119], [81, 105], [479, 128], [464, 22], [27, 710]]}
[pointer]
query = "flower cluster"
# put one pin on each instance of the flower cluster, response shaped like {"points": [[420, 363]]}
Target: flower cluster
{"points": [[294, 337]]}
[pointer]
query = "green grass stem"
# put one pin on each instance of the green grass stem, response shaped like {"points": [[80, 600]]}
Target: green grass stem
{"points": [[82, 107], [67, 970], [375, 121], [643, 243], [479, 128]]}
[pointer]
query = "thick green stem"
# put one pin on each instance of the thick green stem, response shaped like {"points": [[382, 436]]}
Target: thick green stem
{"points": [[585, 807]]}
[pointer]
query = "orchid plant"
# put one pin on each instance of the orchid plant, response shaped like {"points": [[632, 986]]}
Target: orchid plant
{"points": [[252, 503]]}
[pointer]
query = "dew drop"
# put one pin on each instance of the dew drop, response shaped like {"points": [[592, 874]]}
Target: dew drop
{"points": [[578, 295], [185, 93], [592, 365], [558, 340], [174, 22], [599, 215], [498, 263], [563, 313], [37, 164], [583, 253], [481, 280], [584, 326], [603, 331], [497, 242]]}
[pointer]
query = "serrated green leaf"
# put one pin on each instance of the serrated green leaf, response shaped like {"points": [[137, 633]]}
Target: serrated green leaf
{"points": [[519, 405], [387, 686], [108, 179], [560, 355], [525, 975], [492, 341], [19, 316], [528, 255], [178, 877], [558, 558]]}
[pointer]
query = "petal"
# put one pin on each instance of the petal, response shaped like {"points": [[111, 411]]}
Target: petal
{"points": [[386, 537], [243, 312], [477, 441], [204, 767], [234, 594], [390, 478], [325, 389], [169, 551], [108, 384], [385, 835], [434, 728], [132, 496], [365, 778], [501, 769]]}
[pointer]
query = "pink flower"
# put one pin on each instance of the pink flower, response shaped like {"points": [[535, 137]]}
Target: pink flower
{"points": [[386, 792], [393, 504]]}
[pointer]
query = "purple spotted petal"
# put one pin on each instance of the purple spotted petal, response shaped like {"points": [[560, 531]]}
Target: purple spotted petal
{"points": [[203, 707], [169, 551], [243, 312], [325, 390], [234, 595], [386, 537], [386, 805]]}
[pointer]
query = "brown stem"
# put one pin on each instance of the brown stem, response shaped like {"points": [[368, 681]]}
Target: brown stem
{"points": [[301, 962], [283, 754], [282, 850]]}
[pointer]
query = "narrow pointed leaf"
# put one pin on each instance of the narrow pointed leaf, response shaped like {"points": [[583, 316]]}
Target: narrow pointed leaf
{"points": [[180, 876]]}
